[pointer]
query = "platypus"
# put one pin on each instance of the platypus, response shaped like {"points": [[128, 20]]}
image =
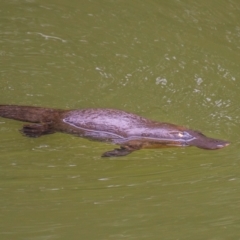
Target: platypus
{"points": [[130, 131]]}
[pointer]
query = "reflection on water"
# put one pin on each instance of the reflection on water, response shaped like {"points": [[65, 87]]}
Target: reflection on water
{"points": [[170, 61]]}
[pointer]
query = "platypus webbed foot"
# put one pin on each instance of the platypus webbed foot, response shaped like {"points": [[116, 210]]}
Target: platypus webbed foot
{"points": [[36, 130], [117, 152]]}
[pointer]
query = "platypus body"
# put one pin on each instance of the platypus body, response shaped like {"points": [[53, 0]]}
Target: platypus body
{"points": [[130, 131]]}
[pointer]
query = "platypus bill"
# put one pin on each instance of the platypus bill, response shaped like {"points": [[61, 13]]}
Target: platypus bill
{"points": [[128, 130]]}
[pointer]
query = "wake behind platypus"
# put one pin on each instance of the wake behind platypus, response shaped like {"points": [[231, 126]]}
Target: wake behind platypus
{"points": [[130, 131]]}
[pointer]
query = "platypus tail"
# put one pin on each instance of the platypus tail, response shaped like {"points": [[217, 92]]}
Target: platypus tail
{"points": [[28, 113]]}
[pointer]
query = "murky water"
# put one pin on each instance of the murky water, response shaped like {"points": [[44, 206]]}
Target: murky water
{"points": [[174, 61]]}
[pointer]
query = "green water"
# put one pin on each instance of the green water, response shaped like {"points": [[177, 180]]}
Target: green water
{"points": [[174, 61]]}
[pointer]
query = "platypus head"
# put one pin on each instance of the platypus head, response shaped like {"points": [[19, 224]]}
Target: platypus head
{"points": [[201, 141]]}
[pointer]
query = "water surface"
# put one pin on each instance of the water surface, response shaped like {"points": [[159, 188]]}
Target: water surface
{"points": [[173, 61]]}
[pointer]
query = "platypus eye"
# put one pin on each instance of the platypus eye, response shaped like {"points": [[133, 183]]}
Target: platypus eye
{"points": [[180, 135], [183, 135], [186, 136]]}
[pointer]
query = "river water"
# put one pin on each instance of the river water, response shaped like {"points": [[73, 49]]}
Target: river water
{"points": [[176, 61]]}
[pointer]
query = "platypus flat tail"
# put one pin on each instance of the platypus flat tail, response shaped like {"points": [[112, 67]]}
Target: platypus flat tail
{"points": [[28, 113]]}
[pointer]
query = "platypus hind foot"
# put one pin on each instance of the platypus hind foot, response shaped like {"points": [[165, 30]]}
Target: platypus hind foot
{"points": [[36, 130]]}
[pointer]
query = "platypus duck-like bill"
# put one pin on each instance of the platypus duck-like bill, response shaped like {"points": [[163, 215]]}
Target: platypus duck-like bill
{"points": [[130, 131]]}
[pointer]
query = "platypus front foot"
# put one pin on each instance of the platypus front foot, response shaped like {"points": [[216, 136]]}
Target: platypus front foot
{"points": [[117, 152], [36, 130]]}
